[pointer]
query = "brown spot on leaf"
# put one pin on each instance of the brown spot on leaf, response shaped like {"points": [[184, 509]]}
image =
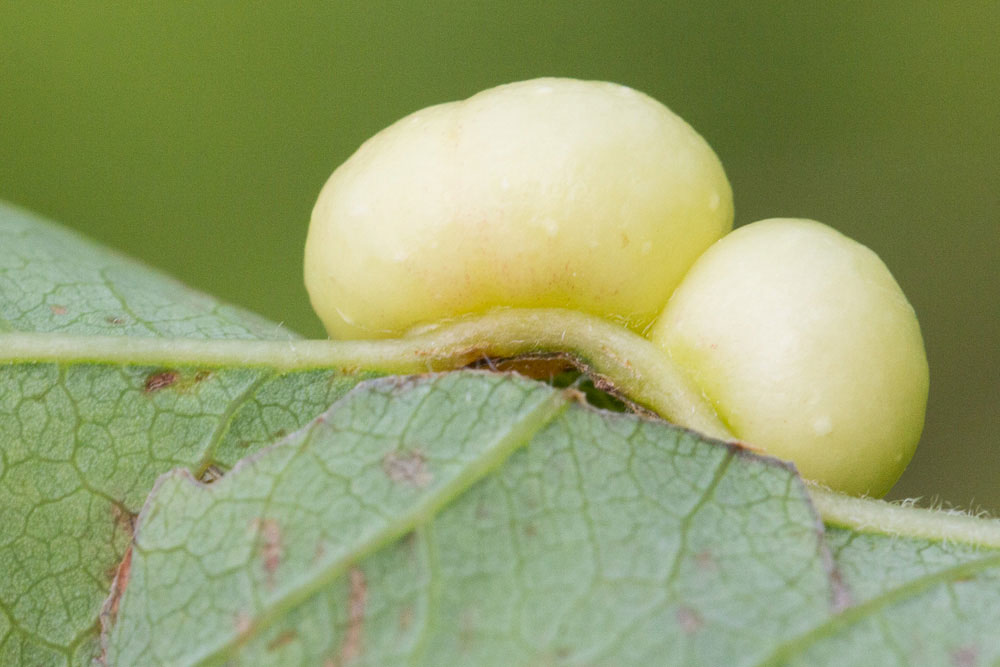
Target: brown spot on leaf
{"points": [[109, 612], [965, 656], [357, 597], [124, 522], [689, 620], [319, 553], [406, 618], [280, 433], [271, 548], [58, 309], [744, 447], [705, 561], [242, 623], [840, 594], [530, 530], [482, 512], [116, 321], [468, 628], [284, 638], [201, 376], [407, 467], [160, 380], [124, 519]]}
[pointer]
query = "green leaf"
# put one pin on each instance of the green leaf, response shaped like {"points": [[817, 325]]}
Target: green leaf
{"points": [[463, 517], [916, 602], [54, 280], [83, 440], [402, 515]]}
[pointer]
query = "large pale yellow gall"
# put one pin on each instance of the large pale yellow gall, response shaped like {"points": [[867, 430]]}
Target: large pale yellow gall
{"points": [[807, 348], [545, 193]]}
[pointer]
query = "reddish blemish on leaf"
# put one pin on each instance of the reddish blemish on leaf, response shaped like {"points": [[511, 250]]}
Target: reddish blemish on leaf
{"points": [[841, 599], [271, 549], [110, 611], [689, 620], [406, 618], [482, 511], [160, 380], [966, 656], [320, 552], [407, 467], [242, 624], [467, 628], [705, 561], [284, 638], [58, 309], [746, 447], [124, 522], [357, 597]]}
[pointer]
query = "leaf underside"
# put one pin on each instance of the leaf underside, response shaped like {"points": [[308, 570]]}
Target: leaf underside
{"points": [[459, 518]]}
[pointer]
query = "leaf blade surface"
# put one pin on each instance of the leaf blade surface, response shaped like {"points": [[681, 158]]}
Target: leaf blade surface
{"points": [[598, 540]]}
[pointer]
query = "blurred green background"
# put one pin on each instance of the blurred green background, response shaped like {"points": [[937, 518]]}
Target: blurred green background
{"points": [[196, 136]]}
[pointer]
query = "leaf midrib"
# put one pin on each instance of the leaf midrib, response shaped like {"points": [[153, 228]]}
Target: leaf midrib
{"points": [[628, 362]]}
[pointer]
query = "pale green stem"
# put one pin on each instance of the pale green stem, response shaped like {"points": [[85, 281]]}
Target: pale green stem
{"points": [[868, 515], [636, 368]]}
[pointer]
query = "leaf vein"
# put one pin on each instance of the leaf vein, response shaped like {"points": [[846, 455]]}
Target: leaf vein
{"points": [[798, 645]]}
